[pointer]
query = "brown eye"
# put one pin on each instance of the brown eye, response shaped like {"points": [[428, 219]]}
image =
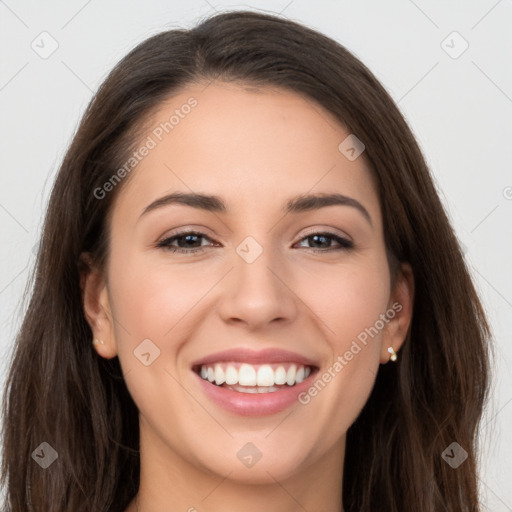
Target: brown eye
{"points": [[325, 239], [186, 242]]}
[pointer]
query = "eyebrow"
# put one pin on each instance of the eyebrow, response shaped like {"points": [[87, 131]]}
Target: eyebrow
{"points": [[299, 204]]}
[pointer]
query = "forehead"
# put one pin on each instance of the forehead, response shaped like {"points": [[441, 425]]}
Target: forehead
{"points": [[255, 147]]}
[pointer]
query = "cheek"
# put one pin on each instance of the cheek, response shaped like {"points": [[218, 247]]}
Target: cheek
{"points": [[350, 308], [151, 307], [347, 299], [157, 307], [150, 299]]}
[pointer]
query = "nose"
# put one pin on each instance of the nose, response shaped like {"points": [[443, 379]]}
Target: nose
{"points": [[258, 293]]}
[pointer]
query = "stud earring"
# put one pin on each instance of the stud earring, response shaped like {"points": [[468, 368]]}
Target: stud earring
{"points": [[97, 342], [393, 355]]}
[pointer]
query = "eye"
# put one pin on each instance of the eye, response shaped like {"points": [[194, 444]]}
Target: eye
{"points": [[187, 242], [323, 238]]}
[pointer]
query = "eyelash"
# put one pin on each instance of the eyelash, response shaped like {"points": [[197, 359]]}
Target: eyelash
{"points": [[166, 243]]}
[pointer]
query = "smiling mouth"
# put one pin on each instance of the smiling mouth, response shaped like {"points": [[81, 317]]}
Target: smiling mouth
{"points": [[254, 378]]}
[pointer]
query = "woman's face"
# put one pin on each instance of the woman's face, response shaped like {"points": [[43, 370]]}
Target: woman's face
{"points": [[269, 282]]}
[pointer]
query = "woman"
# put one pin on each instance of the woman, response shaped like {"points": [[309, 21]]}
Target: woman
{"points": [[248, 295]]}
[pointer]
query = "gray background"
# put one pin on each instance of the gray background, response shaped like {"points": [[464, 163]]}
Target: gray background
{"points": [[458, 103]]}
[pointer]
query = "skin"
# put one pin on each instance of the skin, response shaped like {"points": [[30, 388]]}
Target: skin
{"points": [[255, 149]]}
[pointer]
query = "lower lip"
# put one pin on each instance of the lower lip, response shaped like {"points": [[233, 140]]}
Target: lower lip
{"points": [[254, 404]]}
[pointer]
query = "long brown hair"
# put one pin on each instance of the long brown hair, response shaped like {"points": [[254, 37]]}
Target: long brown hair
{"points": [[59, 391]]}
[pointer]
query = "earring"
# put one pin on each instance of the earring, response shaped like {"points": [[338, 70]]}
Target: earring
{"points": [[393, 355], [97, 342]]}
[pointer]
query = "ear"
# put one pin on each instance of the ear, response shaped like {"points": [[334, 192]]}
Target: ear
{"points": [[400, 306], [96, 306]]}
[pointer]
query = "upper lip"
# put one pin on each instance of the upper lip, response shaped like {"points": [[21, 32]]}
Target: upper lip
{"points": [[246, 355]]}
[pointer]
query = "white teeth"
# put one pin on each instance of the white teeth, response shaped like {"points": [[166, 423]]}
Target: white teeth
{"points": [[290, 375], [231, 374], [280, 376], [247, 375], [242, 389], [263, 378], [219, 375], [265, 389]]}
